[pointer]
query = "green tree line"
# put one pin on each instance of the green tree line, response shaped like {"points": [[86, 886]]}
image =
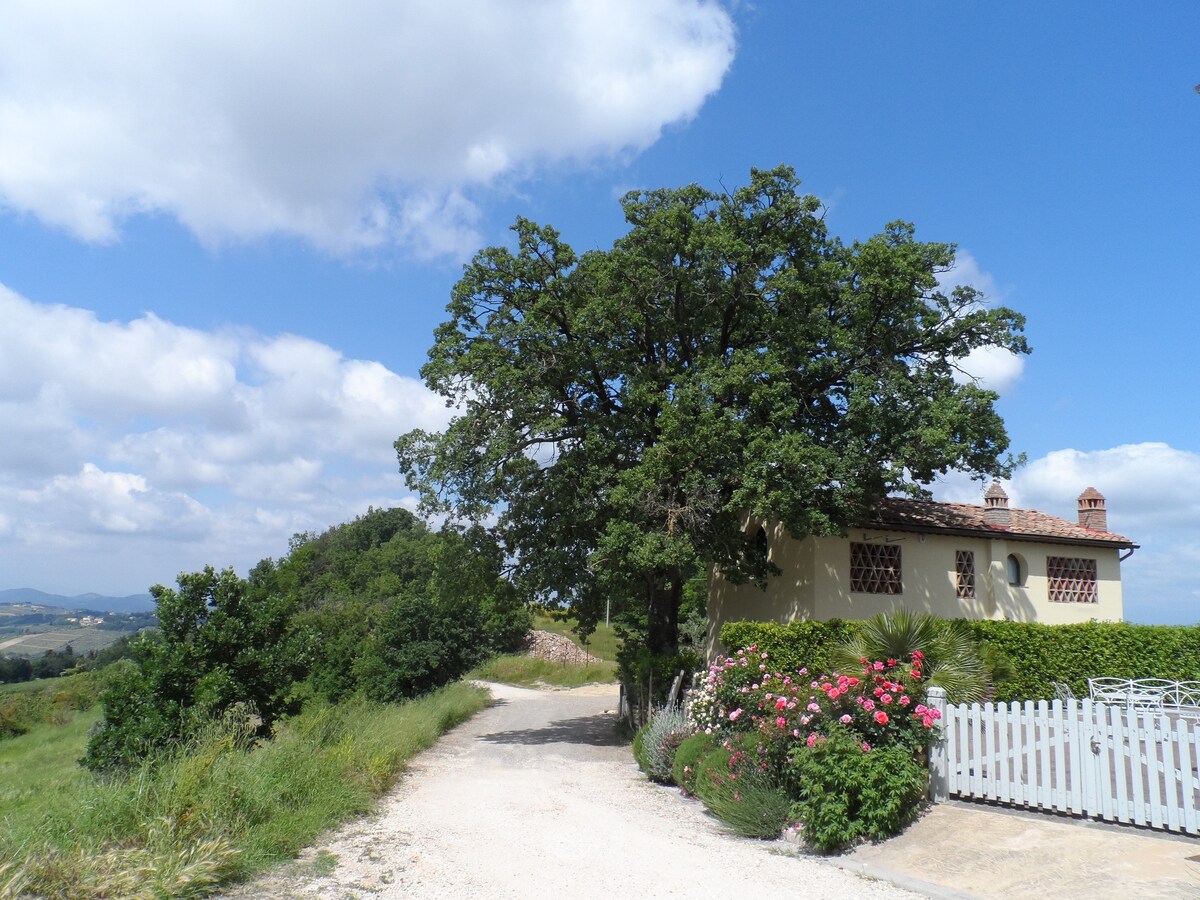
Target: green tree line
{"points": [[382, 607]]}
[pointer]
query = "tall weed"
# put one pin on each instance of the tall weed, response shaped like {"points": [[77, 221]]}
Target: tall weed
{"points": [[223, 807]]}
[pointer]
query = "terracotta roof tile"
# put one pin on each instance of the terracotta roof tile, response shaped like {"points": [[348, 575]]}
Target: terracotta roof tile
{"points": [[905, 514]]}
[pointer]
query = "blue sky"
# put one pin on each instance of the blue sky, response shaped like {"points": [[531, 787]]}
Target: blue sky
{"points": [[226, 235]]}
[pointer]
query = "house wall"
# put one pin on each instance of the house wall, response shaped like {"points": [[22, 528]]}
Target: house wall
{"points": [[815, 583]]}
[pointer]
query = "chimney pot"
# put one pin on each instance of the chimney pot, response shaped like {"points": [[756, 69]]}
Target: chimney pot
{"points": [[1092, 513], [995, 507]]}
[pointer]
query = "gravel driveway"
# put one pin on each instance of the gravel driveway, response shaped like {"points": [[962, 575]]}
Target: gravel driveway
{"points": [[535, 798]]}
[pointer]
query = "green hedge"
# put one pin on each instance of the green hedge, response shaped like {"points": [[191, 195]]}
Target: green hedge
{"points": [[1039, 654], [790, 646]]}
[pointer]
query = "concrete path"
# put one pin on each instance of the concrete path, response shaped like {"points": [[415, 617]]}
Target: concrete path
{"points": [[972, 850]]}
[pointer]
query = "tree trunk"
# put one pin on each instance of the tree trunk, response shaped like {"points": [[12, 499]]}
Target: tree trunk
{"points": [[664, 596]]}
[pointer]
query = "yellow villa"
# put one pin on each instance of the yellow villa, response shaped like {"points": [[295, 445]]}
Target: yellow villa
{"points": [[954, 560]]}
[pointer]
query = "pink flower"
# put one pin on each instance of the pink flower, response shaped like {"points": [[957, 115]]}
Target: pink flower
{"points": [[814, 707], [781, 703], [868, 705], [845, 720], [812, 739], [733, 716], [764, 656], [886, 698], [866, 747], [927, 721], [881, 717], [878, 666], [781, 722], [904, 701]]}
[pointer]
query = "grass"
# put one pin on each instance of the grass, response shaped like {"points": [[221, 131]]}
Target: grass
{"points": [[528, 671], [50, 700], [602, 643], [220, 809]]}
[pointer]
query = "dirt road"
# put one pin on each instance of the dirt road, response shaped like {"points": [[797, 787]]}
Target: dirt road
{"points": [[535, 798]]}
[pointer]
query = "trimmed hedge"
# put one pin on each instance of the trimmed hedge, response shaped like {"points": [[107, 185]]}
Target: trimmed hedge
{"points": [[793, 645], [1042, 654], [1039, 654]]}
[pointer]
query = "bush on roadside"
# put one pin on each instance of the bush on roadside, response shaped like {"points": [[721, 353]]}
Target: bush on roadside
{"points": [[746, 800], [687, 758], [661, 736], [845, 794]]}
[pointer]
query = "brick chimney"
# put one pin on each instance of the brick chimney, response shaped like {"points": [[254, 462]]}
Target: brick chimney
{"points": [[1092, 513], [995, 507]]}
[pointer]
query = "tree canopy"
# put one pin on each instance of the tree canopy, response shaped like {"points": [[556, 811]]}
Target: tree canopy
{"points": [[622, 411]]}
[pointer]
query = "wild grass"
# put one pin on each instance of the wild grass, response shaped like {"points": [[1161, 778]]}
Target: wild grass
{"points": [[50, 700], [220, 809], [529, 671], [603, 642]]}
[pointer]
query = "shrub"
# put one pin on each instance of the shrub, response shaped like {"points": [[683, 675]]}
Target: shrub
{"points": [[1036, 654], [687, 759], [952, 658], [747, 802], [737, 785], [794, 645], [880, 703], [1042, 654], [846, 794], [419, 645], [639, 749], [661, 736]]}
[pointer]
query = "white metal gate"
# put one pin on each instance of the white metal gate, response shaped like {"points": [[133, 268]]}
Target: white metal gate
{"points": [[1090, 759]]}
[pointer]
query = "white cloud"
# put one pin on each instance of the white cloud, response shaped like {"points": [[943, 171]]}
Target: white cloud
{"points": [[968, 272], [991, 367], [137, 449], [348, 126], [1152, 494]]}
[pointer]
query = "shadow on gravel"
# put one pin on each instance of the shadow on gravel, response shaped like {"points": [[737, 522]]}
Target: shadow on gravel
{"points": [[598, 731]]}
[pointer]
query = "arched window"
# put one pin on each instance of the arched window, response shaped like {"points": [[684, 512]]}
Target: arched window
{"points": [[1016, 575], [762, 544]]}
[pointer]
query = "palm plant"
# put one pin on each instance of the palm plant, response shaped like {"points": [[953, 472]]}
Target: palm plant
{"points": [[952, 659]]}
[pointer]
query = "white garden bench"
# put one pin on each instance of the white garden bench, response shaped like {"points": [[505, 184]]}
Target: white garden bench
{"points": [[1181, 697]]}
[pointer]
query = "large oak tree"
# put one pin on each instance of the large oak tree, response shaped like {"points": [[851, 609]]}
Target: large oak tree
{"points": [[621, 411]]}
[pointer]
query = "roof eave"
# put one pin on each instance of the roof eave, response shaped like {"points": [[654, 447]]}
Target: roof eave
{"points": [[1002, 534]]}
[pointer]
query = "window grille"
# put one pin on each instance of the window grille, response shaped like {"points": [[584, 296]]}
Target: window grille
{"points": [[964, 574], [875, 568], [1071, 580]]}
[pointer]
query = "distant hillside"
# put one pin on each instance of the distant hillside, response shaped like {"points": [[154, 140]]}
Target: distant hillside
{"points": [[95, 602]]}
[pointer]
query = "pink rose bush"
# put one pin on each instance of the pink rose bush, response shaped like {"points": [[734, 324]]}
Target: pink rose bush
{"points": [[843, 748], [881, 703]]}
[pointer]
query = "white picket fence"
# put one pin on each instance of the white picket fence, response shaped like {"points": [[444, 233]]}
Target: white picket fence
{"points": [[1103, 761]]}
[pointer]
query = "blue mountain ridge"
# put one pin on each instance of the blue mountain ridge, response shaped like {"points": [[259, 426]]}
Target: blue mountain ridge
{"points": [[95, 602]]}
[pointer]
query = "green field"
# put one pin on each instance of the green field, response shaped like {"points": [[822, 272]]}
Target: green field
{"points": [[40, 774], [82, 640]]}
